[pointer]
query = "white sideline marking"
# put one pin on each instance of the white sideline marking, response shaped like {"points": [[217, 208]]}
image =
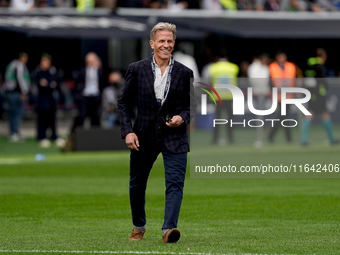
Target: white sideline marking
{"points": [[9, 161], [127, 252], [111, 252]]}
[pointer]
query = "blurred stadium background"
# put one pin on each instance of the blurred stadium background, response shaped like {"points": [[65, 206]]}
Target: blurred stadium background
{"points": [[79, 202], [120, 36]]}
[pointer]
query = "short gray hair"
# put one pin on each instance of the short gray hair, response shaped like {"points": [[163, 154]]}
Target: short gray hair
{"points": [[163, 26]]}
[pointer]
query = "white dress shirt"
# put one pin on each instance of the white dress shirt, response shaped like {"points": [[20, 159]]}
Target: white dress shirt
{"points": [[91, 82], [259, 77], [160, 82]]}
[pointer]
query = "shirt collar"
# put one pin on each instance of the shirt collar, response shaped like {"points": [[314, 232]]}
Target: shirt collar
{"points": [[171, 62]]}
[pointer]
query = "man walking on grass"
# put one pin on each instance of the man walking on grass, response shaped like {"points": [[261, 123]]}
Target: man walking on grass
{"points": [[161, 91]]}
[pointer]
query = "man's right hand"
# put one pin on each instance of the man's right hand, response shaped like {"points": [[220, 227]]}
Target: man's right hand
{"points": [[131, 141], [23, 97]]}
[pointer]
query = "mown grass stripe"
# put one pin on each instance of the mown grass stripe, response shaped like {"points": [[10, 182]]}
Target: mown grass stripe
{"points": [[112, 252]]}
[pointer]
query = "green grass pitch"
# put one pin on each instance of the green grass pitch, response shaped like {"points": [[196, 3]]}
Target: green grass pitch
{"points": [[79, 202]]}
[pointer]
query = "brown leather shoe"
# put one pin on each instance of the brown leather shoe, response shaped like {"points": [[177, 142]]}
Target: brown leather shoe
{"points": [[136, 234], [171, 236]]}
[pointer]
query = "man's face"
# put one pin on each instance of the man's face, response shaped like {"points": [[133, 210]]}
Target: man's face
{"points": [[24, 58], [45, 63], [264, 61], [114, 78], [91, 60], [281, 58], [163, 44]]}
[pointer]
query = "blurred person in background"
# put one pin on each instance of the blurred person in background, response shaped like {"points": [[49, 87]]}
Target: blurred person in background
{"points": [[85, 5], [211, 5], [259, 79], [320, 5], [1, 96], [223, 72], [182, 56], [158, 4], [272, 5], [293, 5], [336, 4], [88, 89], [22, 5], [17, 84], [211, 59], [316, 83], [259, 5], [4, 3], [243, 73], [133, 3], [109, 4], [174, 4], [63, 3], [110, 98], [45, 78], [243, 81], [245, 5], [44, 3], [283, 74], [230, 5]]}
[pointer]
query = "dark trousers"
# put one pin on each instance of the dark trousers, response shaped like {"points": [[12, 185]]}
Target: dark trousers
{"points": [[228, 106], [141, 163], [87, 107], [15, 109], [277, 124], [46, 119]]}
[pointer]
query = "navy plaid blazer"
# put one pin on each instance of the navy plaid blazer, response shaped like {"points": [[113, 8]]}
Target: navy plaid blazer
{"points": [[149, 125]]}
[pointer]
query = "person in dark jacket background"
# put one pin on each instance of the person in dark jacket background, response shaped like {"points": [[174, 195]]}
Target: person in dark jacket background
{"points": [[89, 86], [317, 84], [45, 77]]}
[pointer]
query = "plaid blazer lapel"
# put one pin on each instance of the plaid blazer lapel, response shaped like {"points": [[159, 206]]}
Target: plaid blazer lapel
{"points": [[174, 81], [149, 80]]}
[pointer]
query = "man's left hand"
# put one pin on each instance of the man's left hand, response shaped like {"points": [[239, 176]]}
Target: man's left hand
{"points": [[23, 97], [175, 121]]}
